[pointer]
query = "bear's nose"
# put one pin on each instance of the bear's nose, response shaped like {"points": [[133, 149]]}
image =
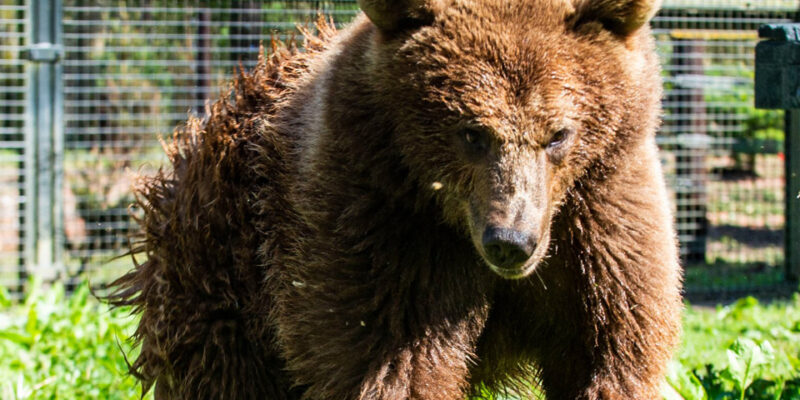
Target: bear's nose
{"points": [[507, 248]]}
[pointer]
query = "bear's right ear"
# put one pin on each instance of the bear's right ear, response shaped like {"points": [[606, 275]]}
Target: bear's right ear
{"points": [[620, 16], [394, 15]]}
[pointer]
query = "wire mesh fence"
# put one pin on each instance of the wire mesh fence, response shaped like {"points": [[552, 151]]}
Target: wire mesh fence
{"points": [[723, 158], [132, 70], [13, 107]]}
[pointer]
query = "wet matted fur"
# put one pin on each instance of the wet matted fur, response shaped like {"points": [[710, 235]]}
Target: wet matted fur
{"points": [[319, 234]]}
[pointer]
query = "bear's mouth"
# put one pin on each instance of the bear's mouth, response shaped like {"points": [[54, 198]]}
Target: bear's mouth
{"points": [[511, 273], [517, 272]]}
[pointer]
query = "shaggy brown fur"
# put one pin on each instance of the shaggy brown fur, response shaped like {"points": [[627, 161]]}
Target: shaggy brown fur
{"points": [[323, 236]]}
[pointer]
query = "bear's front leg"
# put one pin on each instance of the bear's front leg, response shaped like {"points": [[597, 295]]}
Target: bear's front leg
{"points": [[620, 355], [618, 317], [612, 342], [386, 324]]}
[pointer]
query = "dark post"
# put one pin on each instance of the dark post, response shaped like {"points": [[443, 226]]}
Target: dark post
{"points": [[245, 31], [44, 141], [203, 59], [793, 193], [778, 87], [688, 105]]}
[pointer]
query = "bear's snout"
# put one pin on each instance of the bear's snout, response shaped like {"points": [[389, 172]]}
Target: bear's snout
{"points": [[507, 249]]}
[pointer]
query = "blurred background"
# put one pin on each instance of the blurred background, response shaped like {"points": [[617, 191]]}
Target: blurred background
{"points": [[87, 87]]}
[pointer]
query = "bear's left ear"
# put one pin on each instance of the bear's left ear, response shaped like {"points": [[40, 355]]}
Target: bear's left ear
{"points": [[394, 15], [622, 17]]}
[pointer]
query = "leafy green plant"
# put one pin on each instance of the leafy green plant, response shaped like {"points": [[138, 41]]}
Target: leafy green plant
{"points": [[746, 350], [745, 358], [684, 384], [738, 380]]}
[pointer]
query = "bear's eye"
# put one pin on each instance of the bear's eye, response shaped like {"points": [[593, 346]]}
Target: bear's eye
{"points": [[475, 138], [559, 138]]}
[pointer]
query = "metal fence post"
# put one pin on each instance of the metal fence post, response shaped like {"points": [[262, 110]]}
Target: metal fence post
{"points": [[793, 191], [778, 87], [44, 140]]}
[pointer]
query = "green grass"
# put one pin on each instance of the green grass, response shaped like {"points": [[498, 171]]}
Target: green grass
{"points": [[746, 345], [58, 347], [54, 346]]}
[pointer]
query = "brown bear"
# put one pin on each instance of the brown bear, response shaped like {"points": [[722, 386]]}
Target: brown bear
{"points": [[448, 198]]}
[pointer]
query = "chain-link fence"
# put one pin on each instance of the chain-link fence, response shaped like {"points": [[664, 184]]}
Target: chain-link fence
{"points": [[132, 70]]}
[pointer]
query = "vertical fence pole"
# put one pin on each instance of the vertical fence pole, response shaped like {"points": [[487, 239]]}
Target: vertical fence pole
{"points": [[778, 87], [792, 152], [691, 150], [44, 150]]}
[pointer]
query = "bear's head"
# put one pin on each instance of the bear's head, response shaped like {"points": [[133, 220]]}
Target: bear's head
{"points": [[505, 108]]}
